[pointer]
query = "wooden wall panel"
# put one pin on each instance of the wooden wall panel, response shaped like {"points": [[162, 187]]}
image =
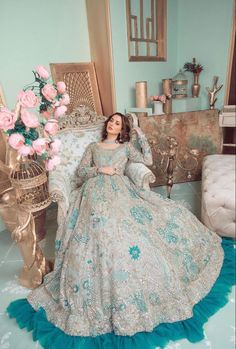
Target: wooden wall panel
{"points": [[98, 14]]}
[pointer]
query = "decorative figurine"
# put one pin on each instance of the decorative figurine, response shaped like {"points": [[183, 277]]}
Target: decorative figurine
{"points": [[212, 93]]}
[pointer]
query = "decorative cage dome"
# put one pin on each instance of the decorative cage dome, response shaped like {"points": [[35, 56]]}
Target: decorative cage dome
{"points": [[180, 85], [29, 179]]}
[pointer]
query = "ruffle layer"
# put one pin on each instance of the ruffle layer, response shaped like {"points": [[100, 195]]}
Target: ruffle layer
{"points": [[51, 337]]}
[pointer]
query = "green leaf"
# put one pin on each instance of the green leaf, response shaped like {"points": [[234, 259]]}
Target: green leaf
{"points": [[33, 134], [28, 141], [44, 156]]}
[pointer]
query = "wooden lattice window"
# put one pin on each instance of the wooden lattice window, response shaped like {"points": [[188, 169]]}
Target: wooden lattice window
{"points": [[146, 23]]}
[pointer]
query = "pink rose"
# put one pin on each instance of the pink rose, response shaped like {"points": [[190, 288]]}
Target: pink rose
{"points": [[51, 127], [27, 99], [55, 104], [61, 87], [65, 100], [52, 163], [60, 111], [162, 98], [46, 114], [29, 119], [16, 140], [43, 73], [26, 150], [49, 92], [40, 145], [55, 147], [7, 119]]}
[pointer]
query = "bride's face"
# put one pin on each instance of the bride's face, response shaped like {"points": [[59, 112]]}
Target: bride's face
{"points": [[114, 125]]}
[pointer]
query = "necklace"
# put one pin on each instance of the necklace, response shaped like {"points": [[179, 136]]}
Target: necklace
{"points": [[110, 141]]}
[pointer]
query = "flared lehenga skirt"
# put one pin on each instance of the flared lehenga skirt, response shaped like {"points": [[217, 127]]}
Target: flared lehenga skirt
{"points": [[132, 272]]}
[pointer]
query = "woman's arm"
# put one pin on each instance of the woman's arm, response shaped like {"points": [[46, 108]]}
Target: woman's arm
{"points": [[86, 170], [134, 155]]}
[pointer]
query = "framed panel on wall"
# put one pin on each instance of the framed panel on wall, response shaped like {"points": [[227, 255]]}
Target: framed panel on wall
{"points": [[146, 29]]}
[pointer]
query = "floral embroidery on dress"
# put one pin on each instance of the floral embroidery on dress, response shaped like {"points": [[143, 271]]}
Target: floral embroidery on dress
{"points": [[141, 214], [170, 228], [73, 218], [120, 275], [57, 245], [190, 265], [168, 233], [138, 300], [76, 288], [134, 251], [154, 299]]}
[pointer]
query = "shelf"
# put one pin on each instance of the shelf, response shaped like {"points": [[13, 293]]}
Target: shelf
{"points": [[186, 104], [229, 145]]}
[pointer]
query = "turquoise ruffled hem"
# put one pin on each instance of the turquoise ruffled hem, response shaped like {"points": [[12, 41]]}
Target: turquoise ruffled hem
{"points": [[51, 337]]}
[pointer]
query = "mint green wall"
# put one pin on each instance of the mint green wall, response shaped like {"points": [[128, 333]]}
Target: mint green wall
{"points": [[39, 32], [204, 29], [198, 29], [127, 73]]}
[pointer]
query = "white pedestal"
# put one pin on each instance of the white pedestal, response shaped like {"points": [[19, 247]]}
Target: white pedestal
{"points": [[157, 108]]}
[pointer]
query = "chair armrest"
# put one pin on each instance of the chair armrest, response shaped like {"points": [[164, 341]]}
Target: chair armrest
{"points": [[60, 188], [140, 175]]}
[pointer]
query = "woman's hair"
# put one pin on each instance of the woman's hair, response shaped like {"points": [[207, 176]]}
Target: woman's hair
{"points": [[123, 136]]}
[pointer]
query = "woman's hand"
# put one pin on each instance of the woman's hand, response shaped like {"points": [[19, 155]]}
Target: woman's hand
{"points": [[107, 170]]}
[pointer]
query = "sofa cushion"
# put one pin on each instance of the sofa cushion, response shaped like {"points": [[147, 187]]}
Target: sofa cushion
{"points": [[218, 194], [73, 144]]}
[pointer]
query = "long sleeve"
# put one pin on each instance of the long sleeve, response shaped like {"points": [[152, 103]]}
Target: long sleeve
{"points": [[136, 156], [86, 170]]}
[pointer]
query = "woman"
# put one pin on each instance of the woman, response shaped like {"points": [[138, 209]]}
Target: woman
{"points": [[132, 270]]}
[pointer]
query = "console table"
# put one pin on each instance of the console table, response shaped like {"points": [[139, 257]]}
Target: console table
{"points": [[197, 130]]}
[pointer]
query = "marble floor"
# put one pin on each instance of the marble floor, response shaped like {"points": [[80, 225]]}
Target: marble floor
{"points": [[220, 330]]}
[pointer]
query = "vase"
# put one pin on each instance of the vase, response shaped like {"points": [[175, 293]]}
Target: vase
{"points": [[141, 94], [167, 90], [196, 86], [157, 108]]}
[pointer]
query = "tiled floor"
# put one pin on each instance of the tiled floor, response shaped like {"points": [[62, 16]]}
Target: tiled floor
{"points": [[220, 330]]}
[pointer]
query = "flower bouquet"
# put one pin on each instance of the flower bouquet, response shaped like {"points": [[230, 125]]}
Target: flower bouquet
{"points": [[193, 67], [161, 98], [196, 69], [30, 133]]}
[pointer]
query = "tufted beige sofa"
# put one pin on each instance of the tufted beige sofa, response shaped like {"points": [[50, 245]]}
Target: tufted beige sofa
{"points": [[218, 194], [77, 131]]}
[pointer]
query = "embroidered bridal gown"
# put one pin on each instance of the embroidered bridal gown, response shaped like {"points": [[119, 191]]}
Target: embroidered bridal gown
{"points": [[131, 267]]}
